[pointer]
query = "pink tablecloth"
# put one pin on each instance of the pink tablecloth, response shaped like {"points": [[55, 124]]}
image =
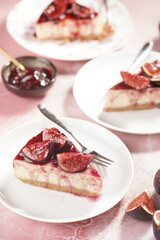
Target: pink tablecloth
{"points": [[145, 149]]}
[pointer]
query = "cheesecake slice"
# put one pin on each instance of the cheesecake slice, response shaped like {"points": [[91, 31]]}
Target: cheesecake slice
{"points": [[136, 91], [51, 160], [67, 20]]}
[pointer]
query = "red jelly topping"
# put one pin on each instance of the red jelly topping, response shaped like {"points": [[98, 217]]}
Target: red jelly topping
{"points": [[41, 149], [121, 86], [39, 139], [31, 79], [60, 10]]}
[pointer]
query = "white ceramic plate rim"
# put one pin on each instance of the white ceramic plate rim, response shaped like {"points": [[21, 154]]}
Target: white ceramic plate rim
{"points": [[8, 200], [88, 109], [19, 25]]}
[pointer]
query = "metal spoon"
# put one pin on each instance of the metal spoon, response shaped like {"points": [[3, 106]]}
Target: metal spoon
{"points": [[13, 60], [143, 53]]}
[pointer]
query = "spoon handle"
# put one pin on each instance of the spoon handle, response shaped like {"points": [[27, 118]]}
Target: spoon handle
{"points": [[13, 60], [144, 52]]}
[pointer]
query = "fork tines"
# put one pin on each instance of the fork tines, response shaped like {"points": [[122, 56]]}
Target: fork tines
{"points": [[102, 157], [101, 162]]}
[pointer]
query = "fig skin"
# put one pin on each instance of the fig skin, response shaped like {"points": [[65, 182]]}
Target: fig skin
{"points": [[140, 214], [156, 228], [141, 207], [157, 181]]}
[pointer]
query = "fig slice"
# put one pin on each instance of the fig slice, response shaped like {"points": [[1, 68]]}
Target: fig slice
{"points": [[134, 80], [73, 161], [152, 69], [56, 9], [62, 143], [141, 207], [81, 11], [156, 224], [54, 134], [39, 152], [49, 133]]}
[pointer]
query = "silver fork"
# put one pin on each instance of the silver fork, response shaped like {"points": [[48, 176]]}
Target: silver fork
{"points": [[99, 159]]}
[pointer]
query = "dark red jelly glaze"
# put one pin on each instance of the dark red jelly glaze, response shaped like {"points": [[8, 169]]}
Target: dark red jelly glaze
{"points": [[123, 86], [58, 12], [69, 146], [31, 79], [95, 173]]}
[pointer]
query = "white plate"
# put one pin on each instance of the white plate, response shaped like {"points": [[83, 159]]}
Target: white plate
{"points": [[22, 18], [92, 82], [53, 206]]}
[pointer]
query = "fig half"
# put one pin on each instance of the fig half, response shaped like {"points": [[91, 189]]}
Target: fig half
{"points": [[152, 69], [56, 9], [81, 11], [39, 152], [156, 224], [134, 80], [73, 161], [141, 207], [62, 143]]}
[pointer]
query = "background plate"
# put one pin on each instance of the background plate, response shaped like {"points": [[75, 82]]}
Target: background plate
{"points": [[92, 82], [52, 206], [22, 18]]}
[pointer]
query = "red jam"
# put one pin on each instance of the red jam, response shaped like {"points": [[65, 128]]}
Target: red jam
{"points": [[32, 78]]}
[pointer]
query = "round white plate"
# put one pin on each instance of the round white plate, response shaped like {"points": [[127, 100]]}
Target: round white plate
{"points": [[53, 206], [22, 18], [92, 82]]}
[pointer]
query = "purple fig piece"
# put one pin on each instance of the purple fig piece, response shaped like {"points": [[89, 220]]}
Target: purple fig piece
{"points": [[54, 134], [152, 69], [141, 207], [56, 9], [39, 152], [73, 161], [62, 143], [81, 11]]}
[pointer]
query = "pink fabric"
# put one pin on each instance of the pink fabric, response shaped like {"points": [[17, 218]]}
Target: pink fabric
{"points": [[145, 149]]}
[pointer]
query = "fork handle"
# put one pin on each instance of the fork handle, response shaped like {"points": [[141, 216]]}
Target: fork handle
{"points": [[54, 119]]}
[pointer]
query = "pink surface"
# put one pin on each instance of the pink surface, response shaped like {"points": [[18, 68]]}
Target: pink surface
{"points": [[145, 149]]}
